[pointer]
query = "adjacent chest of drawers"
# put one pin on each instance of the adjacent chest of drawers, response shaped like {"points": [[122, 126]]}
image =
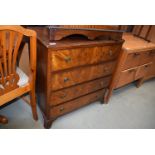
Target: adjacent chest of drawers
{"points": [[73, 73], [137, 61]]}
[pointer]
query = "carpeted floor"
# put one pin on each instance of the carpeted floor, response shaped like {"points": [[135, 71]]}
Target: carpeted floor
{"points": [[129, 107]]}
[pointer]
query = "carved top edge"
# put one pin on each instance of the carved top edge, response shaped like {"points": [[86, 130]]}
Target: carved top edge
{"points": [[60, 33], [84, 29]]}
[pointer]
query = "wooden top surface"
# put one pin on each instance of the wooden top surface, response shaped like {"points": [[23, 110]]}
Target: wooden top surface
{"points": [[105, 27], [133, 43], [43, 37]]}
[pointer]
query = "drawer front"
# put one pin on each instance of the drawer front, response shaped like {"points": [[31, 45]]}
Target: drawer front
{"points": [[80, 90], [133, 60], [126, 77], [75, 104], [83, 74], [146, 57], [152, 70], [64, 59], [143, 71]]}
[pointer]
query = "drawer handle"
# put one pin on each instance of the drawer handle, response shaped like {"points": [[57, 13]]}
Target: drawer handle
{"points": [[68, 59], [101, 84], [151, 53], [96, 96], [110, 53], [66, 79], [62, 109], [63, 96], [146, 66], [105, 69], [136, 54]]}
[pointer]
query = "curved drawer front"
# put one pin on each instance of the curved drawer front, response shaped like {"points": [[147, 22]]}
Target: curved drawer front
{"points": [[77, 103], [83, 74], [64, 59], [79, 90]]}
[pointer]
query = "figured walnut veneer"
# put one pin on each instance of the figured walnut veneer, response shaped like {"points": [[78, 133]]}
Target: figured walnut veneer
{"points": [[74, 72]]}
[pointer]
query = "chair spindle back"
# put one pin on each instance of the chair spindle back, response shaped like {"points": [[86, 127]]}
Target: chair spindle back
{"points": [[9, 45]]}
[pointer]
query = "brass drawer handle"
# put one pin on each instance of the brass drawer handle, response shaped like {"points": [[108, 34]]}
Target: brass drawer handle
{"points": [[62, 109], [66, 79], [63, 96], [111, 53], [101, 84], [105, 69], [68, 59], [136, 54]]}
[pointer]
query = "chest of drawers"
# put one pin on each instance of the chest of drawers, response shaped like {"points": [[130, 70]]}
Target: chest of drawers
{"points": [[136, 63], [72, 73]]}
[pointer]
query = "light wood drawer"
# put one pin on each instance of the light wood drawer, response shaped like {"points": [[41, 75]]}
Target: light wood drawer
{"points": [[126, 77], [133, 60], [64, 59], [77, 103], [151, 72], [143, 71], [79, 90], [138, 58], [83, 74], [146, 57]]}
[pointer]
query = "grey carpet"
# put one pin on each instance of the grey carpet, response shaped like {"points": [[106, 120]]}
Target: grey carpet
{"points": [[129, 107]]}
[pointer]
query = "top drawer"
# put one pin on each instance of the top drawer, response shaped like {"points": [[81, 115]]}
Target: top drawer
{"points": [[132, 60], [138, 58], [63, 59]]}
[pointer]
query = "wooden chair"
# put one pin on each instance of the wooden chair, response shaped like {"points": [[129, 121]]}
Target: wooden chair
{"points": [[13, 81]]}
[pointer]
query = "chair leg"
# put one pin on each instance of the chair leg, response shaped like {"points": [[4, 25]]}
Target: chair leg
{"points": [[3, 120], [33, 105]]}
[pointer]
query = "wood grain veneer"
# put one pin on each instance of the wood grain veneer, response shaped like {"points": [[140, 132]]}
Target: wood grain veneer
{"points": [[74, 71]]}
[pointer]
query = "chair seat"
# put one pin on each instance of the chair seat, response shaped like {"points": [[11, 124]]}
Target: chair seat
{"points": [[23, 78]]}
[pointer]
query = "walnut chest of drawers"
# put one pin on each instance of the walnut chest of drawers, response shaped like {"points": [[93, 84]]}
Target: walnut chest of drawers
{"points": [[73, 72]]}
